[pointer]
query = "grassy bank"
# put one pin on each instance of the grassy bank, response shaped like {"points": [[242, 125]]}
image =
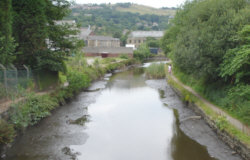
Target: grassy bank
{"points": [[30, 111], [219, 120], [232, 99]]}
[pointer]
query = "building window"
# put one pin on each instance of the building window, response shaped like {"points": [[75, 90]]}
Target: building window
{"points": [[139, 41], [130, 41], [134, 41]]}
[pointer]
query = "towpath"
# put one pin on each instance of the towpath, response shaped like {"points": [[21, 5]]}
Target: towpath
{"points": [[235, 122]]}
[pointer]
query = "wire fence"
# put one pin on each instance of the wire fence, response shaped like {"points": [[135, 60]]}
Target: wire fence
{"points": [[14, 80]]}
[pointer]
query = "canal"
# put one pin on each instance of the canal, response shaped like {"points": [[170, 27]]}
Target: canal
{"points": [[122, 117]]}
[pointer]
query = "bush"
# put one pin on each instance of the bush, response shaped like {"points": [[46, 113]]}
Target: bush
{"points": [[94, 73], [156, 71], [77, 81], [142, 52], [124, 56], [32, 110]]}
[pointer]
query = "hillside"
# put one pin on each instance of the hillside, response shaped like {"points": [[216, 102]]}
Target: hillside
{"points": [[141, 9], [107, 19]]}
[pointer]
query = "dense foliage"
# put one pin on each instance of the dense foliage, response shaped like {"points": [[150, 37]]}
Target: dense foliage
{"points": [[209, 43], [108, 20], [7, 45], [205, 31], [30, 35]]}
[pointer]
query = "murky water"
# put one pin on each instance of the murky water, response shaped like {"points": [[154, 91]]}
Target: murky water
{"points": [[126, 120]]}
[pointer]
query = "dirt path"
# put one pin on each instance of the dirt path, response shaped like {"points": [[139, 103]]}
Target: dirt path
{"points": [[6, 105], [233, 121]]}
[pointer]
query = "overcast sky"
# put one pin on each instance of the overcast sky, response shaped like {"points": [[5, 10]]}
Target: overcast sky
{"points": [[152, 3]]}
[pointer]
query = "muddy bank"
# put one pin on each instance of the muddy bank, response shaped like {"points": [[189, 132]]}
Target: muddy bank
{"points": [[195, 128]]}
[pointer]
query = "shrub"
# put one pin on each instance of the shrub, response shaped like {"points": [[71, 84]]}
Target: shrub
{"points": [[77, 80], [32, 110], [124, 56]]}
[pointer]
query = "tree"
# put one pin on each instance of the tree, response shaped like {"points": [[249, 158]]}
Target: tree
{"points": [[236, 63], [117, 35], [152, 42], [43, 44], [202, 33], [29, 29], [7, 45], [142, 52]]}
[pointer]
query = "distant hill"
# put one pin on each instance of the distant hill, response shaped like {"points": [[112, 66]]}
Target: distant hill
{"points": [[109, 19], [141, 9]]}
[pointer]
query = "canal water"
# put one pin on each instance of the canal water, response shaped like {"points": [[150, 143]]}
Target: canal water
{"points": [[123, 117]]}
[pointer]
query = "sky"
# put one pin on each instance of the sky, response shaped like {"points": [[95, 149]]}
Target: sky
{"points": [[152, 3]]}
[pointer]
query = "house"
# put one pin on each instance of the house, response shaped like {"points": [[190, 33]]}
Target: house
{"points": [[102, 41], [139, 37], [84, 33], [108, 51]]}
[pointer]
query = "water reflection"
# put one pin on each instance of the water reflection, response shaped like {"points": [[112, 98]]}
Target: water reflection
{"points": [[129, 122], [184, 148]]}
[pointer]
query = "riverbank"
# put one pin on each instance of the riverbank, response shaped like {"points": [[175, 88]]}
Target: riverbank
{"points": [[34, 108], [230, 130], [126, 119]]}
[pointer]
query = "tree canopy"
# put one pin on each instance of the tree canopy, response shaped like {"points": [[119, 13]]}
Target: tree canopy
{"points": [[30, 35], [209, 43], [7, 45], [201, 34]]}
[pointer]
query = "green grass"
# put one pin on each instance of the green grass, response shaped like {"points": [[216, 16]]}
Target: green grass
{"points": [[141, 9], [155, 71]]}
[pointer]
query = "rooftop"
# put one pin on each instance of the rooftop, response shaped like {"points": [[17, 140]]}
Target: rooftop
{"points": [[110, 50], [156, 34], [102, 38]]}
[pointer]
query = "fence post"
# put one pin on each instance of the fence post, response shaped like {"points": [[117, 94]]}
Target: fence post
{"points": [[28, 72], [5, 77], [16, 74]]}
